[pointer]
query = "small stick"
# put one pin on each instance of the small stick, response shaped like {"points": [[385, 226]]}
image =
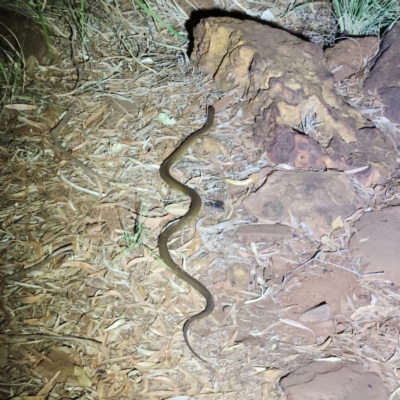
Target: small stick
{"points": [[35, 267], [41, 336], [54, 136]]}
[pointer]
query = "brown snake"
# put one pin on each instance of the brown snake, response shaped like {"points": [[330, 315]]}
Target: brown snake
{"points": [[195, 207]]}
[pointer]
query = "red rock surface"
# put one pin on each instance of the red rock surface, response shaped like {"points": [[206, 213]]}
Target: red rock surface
{"points": [[349, 55], [385, 75], [333, 381], [319, 200], [376, 242]]}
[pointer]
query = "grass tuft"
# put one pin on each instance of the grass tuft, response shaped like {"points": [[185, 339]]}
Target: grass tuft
{"points": [[12, 69], [136, 238], [82, 25], [44, 27], [366, 17]]}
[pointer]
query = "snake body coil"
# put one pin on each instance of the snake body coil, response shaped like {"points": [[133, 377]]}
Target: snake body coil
{"points": [[195, 207]]}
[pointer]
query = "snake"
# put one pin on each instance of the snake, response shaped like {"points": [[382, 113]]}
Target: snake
{"points": [[190, 216]]}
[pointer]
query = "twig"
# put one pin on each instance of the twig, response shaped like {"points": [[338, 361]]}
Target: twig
{"points": [[35, 267], [54, 135], [315, 257], [41, 336], [75, 56], [82, 189]]}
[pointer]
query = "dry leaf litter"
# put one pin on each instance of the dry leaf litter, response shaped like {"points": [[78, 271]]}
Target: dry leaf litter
{"points": [[107, 319]]}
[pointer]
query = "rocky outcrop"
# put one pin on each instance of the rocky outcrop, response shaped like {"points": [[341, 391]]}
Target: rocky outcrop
{"points": [[384, 78], [284, 83]]}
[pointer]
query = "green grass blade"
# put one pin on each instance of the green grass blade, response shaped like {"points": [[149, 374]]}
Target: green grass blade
{"points": [[82, 22], [159, 20], [44, 28]]}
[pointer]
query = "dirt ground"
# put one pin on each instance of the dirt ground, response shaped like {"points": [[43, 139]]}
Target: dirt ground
{"points": [[87, 308]]}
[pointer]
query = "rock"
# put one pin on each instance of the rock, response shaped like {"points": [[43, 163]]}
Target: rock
{"points": [[318, 284], [329, 381], [385, 75], [237, 54], [263, 233], [348, 55], [320, 200], [288, 89], [377, 243]]}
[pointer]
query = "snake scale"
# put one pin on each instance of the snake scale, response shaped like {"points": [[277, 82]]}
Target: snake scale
{"points": [[190, 216]]}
